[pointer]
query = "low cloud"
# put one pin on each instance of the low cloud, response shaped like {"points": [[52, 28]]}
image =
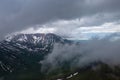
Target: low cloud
{"points": [[105, 50]]}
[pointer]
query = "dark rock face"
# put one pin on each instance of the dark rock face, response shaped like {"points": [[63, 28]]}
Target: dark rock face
{"points": [[22, 51]]}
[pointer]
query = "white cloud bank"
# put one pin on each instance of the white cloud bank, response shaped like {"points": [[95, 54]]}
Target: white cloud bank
{"points": [[74, 29]]}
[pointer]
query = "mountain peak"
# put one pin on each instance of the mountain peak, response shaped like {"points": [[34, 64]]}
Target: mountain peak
{"points": [[33, 38]]}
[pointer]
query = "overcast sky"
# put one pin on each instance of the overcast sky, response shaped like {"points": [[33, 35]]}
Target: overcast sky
{"points": [[64, 16]]}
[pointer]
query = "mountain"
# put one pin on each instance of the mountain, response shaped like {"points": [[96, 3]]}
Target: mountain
{"points": [[20, 57], [20, 52]]}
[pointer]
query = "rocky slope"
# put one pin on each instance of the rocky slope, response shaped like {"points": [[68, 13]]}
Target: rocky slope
{"points": [[22, 51]]}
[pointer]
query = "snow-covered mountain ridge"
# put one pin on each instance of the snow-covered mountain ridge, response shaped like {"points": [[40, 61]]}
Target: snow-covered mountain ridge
{"points": [[23, 50]]}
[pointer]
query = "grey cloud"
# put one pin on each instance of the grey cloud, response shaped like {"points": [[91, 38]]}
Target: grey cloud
{"points": [[17, 15], [81, 55], [100, 19]]}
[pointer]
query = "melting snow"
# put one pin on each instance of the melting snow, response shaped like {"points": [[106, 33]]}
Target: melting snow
{"points": [[70, 76], [75, 73]]}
